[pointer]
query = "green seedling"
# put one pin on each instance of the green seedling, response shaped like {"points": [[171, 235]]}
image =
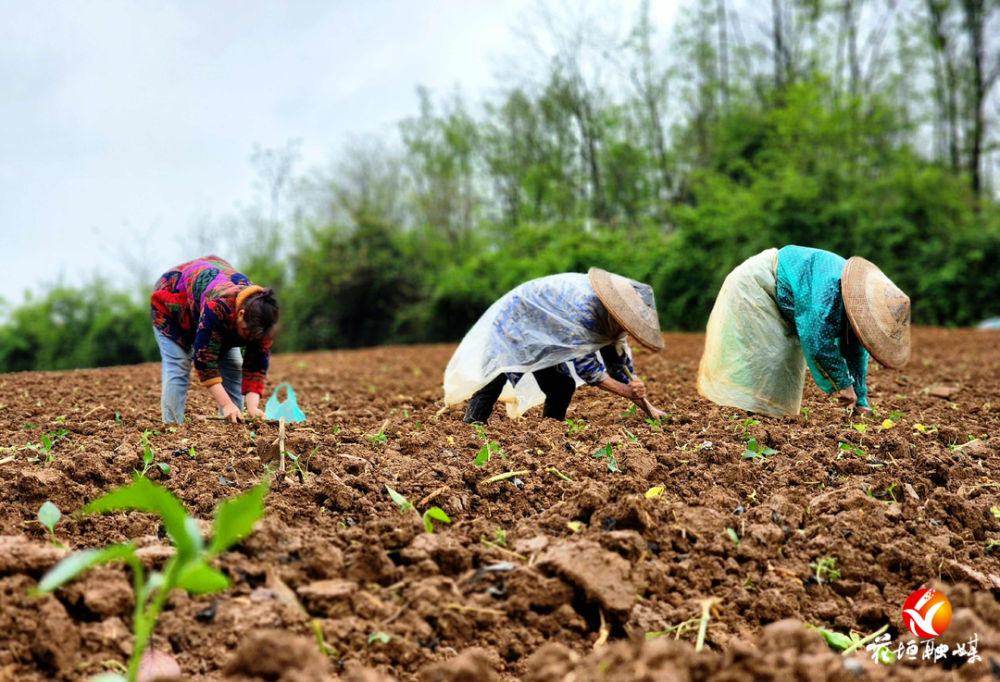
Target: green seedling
{"points": [[480, 431], [895, 416], [630, 412], [755, 450], [731, 533], [608, 453], [995, 510], [490, 448], [298, 466], [147, 462], [437, 514], [379, 438], [850, 447], [188, 569], [805, 413], [631, 436], [837, 641], [49, 515], [27, 427], [747, 425], [191, 453], [404, 504], [826, 571], [321, 641], [576, 426], [383, 637], [501, 537], [654, 424], [991, 545], [889, 490]]}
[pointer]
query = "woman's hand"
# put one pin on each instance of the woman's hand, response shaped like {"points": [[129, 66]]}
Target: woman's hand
{"points": [[231, 413], [636, 389], [847, 397], [253, 403]]}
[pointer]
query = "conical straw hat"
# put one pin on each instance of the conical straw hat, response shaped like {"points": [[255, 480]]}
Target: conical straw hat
{"points": [[878, 311], [637, 313]]}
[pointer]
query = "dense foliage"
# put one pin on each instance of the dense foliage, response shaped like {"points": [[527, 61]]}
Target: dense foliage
{"points": [[687, 159]]}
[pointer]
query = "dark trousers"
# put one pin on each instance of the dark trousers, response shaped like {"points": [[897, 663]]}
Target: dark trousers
{"points": [[557, 387]]}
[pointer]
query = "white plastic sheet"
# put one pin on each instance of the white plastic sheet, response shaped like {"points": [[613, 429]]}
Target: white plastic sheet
{"points": [[753, 359], [539, 324]]}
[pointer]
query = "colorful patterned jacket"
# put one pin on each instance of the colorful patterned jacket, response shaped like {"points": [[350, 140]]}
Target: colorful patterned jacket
{"points": [[195, 305]]}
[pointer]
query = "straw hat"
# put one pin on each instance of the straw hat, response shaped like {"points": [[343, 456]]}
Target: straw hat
{"points": [[631, 309], [879, 312]]}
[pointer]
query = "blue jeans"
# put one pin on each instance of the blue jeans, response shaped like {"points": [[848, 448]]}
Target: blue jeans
{"points": [[177, 376]]}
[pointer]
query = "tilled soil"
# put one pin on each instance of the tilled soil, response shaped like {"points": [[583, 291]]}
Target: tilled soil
{"points": [[535, 571]]}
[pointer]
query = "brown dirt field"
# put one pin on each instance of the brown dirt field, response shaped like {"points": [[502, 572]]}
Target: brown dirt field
{"points": [[578, 551]]}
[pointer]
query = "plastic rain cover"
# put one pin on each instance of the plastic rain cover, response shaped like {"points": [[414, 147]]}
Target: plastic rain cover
{"points": [[753, 359], [539, 324]]}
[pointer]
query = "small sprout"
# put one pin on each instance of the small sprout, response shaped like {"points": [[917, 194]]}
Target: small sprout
{"points": [[383, 637], [995, 510], [379, 438], [191, 453], [631, 436], [887, 424], [630, 412], [860, 428], [480, 431], [501, 537], [754, 450], [574, 526], [148, 463], [320, 641], [826, 568], [608, 453], [731, 532], [404, 504], [837, 641], [805, 412], [576, 426], [437, 514], [406, 414], [654, 424], [488, 449], [49, 515], [991, 545], [654, 492]]}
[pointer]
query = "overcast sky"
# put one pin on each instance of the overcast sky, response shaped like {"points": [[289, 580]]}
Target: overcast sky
{"points": [[122, 117]]}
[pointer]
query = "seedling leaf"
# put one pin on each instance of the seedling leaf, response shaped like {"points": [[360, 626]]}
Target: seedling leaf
{"points": [[144, 495], [654, 492], [836, 640], [404, 504], [200, 578], [484, 456], [437, 514], [235, 519], [75, 564], [164, 467], [383, 637], [732, 535], [49, 515]]}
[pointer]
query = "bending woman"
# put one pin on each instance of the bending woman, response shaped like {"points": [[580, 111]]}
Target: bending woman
{"points": [[782, 311], [528, 339]]}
